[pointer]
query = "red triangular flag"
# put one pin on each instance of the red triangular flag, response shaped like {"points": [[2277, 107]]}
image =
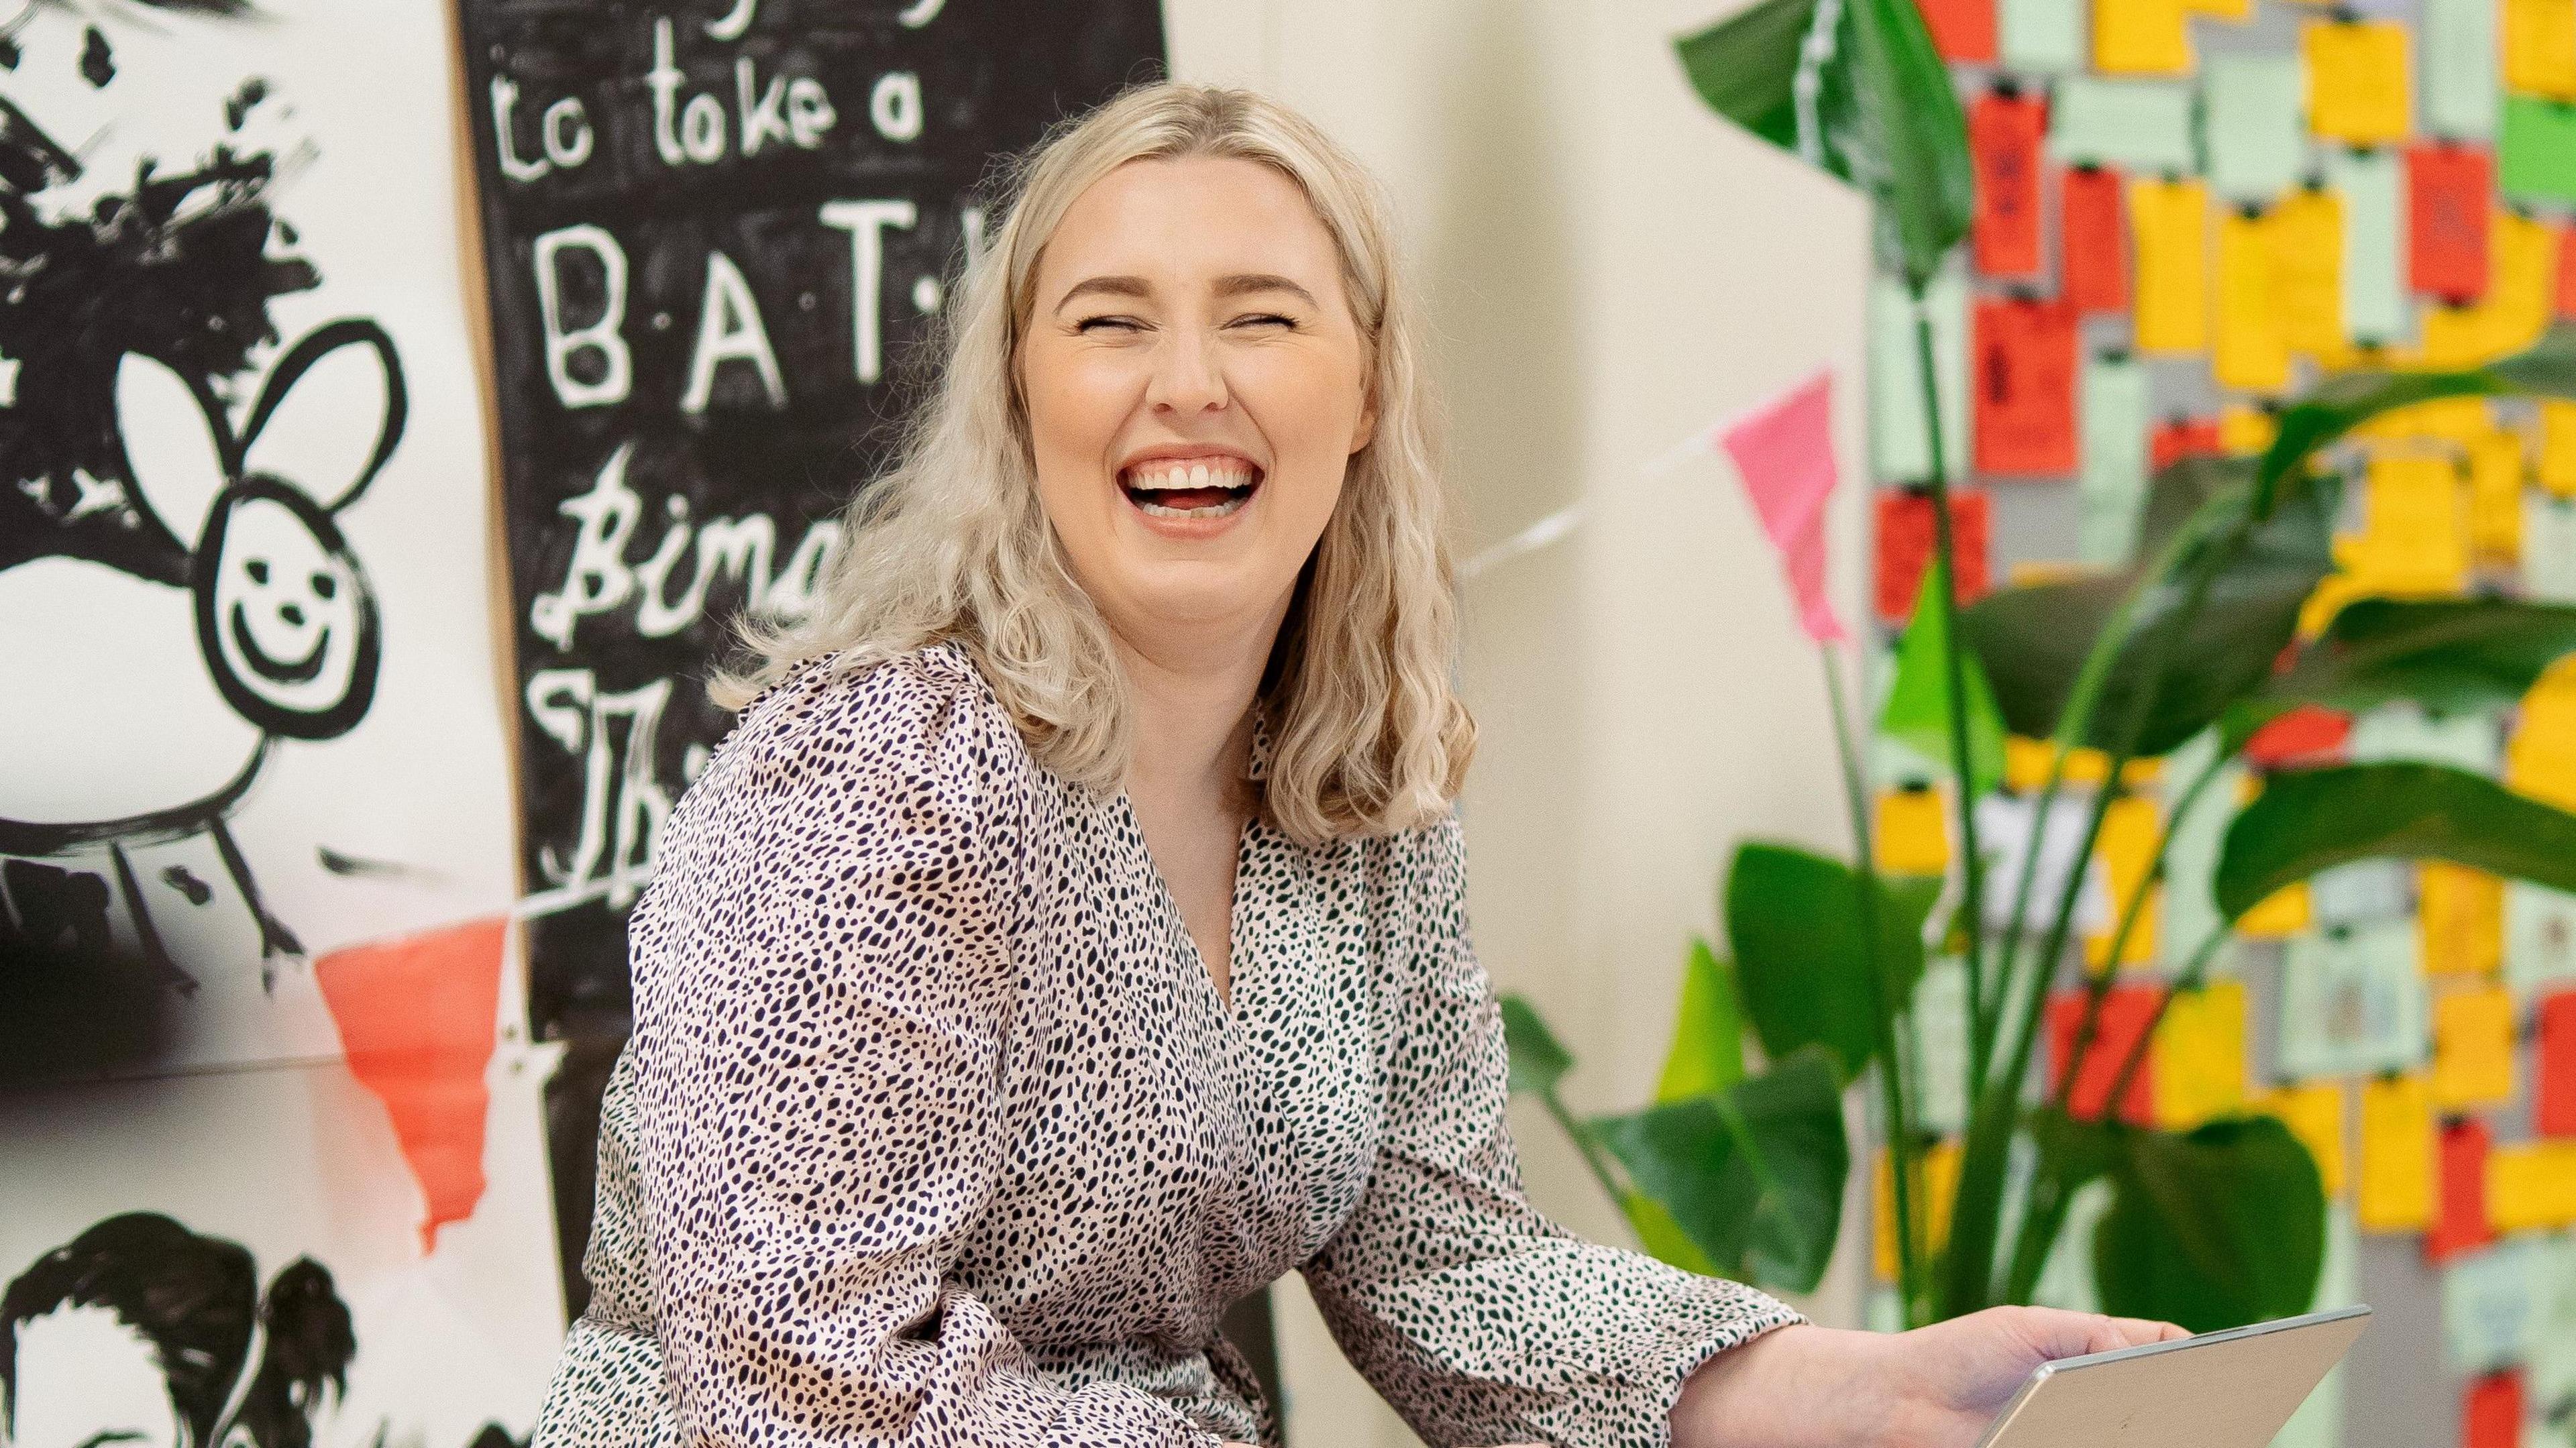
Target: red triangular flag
{"points": [[416, 1017]]}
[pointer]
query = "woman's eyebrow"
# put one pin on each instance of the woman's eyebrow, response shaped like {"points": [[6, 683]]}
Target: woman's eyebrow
{"points": [[1242, 283], [1119, 286]]}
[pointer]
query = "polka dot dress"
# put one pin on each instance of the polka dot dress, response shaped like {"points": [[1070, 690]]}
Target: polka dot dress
{"points": [[933, 1129]]}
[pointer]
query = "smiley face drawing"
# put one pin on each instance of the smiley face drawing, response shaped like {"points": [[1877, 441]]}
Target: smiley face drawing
{"points": [[162, 702]]}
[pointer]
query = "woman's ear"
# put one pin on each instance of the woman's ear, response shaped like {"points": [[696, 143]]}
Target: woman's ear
{"points": [[1365, 430]]}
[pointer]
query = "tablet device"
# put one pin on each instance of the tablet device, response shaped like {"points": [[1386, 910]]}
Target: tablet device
{"points": [[2230, 1389]]}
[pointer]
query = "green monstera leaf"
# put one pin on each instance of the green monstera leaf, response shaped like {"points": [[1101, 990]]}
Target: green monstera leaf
{"points": [[1795, 920], [2309, 820], [1753, 1177], [1853, 87]]}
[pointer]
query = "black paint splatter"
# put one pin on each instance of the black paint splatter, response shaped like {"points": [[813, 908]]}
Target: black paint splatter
{"points": [[197, 891], [178, 268], [237, 110], [97, 64]]}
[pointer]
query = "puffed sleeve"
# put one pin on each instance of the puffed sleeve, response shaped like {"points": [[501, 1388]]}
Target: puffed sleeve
{"points": [[1477, 1318], [824, 1048]]}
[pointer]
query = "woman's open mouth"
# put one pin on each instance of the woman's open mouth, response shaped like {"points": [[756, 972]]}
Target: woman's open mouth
{"points": [[1190, 487]]}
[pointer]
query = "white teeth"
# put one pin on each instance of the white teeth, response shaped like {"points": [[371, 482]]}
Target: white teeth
{"points": [[1177, 475]]}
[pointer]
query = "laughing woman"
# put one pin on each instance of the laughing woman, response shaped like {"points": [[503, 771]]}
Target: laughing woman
{"points": [[1072, 936]]}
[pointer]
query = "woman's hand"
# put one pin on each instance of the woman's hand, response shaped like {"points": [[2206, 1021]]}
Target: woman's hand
{"points": [[1934, 1387]]}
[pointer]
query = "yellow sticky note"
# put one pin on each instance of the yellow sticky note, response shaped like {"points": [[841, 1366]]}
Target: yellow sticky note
{"points": [[2449, 419], [1940, 1186], [2495, 496], [2199, 1051], [2222, 9], [2540, 47], [2522, 289], [2332, 592], [2026, 761], [2246, 431], [2169, 223], [2540, 760], [2557, 462], [1912, 837], [2284, 912], [2473, 1048], [2461, 914], [2359, 88], [2531, 1186], [2314, 1114], [2142, 37], [2127, 848], [2396, 1192], [2249, 352], [2416, 539], [2307, 269]]}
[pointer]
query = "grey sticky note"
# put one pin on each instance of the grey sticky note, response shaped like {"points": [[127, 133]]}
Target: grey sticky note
{"points": [[2041, 35], [2353, 1001], [2141, 126], [2257, 142], [1899, 447], [2373, 188], [2115, 416], [2460, 62]]}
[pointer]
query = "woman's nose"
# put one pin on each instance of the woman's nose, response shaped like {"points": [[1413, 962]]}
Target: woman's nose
{"points": [[1187, 378]]}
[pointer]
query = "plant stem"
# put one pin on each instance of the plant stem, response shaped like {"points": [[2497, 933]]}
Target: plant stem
{"points": [[1955, 684], [1583, 1143], [1903, 1165], [2189, 980], [1995, 1115], [2098, 987]]}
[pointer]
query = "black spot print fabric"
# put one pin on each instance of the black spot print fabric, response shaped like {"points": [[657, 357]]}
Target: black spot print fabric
{"points": [[934, 1131]]}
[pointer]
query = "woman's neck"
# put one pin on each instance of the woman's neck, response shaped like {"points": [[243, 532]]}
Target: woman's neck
{"points": [[1192, 716]]}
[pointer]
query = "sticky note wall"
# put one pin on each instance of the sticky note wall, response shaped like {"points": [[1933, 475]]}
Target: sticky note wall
{"points": [[2188, 213]]}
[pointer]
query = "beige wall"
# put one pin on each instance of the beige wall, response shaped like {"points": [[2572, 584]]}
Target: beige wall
{"points": [[1610, 268]]}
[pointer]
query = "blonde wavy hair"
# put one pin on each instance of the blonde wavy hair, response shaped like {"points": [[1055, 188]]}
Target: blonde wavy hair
{"points": [[1366, 734]]}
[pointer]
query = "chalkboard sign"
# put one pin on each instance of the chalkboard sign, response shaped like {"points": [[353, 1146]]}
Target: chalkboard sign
{"points": [[712, 232]]}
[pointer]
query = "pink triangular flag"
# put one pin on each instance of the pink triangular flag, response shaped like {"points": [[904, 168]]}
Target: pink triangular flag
{"points": [[1785, 452], [416, 1017]]}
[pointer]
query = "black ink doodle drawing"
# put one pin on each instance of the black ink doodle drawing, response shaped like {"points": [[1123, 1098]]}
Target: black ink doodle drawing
{"points": [[273, 636]]}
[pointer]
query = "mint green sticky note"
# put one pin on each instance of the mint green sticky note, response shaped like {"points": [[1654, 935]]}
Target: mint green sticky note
{"points": [[1899, 450], [2111, 481], [2539, 939], [1940, 1021], [2066, 1274], [2373, 188], [2041, 35], [2461, 98], [2402, 731], [2548, 548], [2536, 158], [2489, 1308], [2353, 1001], [2257, 143], [2141, 126], [2553, 1338]]}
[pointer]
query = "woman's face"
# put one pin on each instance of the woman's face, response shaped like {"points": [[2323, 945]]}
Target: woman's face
{"points": [[1196, 386]]}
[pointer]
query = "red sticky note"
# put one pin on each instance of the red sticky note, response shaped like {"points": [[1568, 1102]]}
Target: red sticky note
{"points": [[2491, 1413], [2460, 1224], [2309, 734], [2567, 272], [2093, 239], [2005, 134], [2450, 191], [2177, 438], [417, 1019], [1961, 29], [1905, 548], [2024, 384], [2553, 1107], [2126, 1012]]}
